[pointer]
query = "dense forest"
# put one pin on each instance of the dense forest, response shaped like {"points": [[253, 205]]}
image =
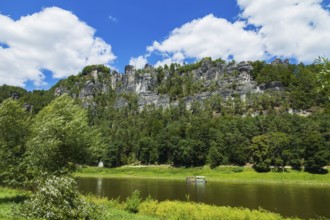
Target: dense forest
{"points": [[40, 132]]}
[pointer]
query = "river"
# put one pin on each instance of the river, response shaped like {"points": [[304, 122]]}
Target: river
{"points": [[287, 199]]}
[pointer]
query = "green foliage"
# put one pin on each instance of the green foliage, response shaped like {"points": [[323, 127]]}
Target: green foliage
{"points": [[14, 131], [148, 150], [238, 169], [11, 198], [316, 153], [184, 137], [186, 68], [57, 198], [60, 137], [99, 68], [133, 202], [323, 77], [269, 149], [190, 210], [270, 73], [214, 156], [160, 75], [6, 91], [36, 98], [303, 94], [257, 67]]}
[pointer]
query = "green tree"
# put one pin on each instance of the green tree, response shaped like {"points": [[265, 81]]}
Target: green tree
{"points": [[60, 137], [269, 149], [214, 157], [323, 78], [236, 147], [316, 154], [6, 92], [113, 154], [148, 150], [13, 135]]}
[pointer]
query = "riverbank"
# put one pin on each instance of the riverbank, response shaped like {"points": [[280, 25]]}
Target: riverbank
{"points": [[146, 210], [11, 199], [222, 173]]}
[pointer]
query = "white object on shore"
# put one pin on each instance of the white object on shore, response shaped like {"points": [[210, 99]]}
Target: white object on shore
{"points": [[101, 164]]}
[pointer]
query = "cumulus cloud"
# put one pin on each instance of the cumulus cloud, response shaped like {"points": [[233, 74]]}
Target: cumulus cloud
{"points": [[265, 28], [290, 28], [53, 39], [177, 57], [211, 37], [138, 62]]}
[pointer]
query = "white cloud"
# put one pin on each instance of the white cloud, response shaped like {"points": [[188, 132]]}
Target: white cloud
{"points": [[211, 37], [178, 57], [292, 28], [138, 62], [53, 39]]}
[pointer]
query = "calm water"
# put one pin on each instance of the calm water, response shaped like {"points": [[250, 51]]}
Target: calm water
{"points": [[288, 200]]}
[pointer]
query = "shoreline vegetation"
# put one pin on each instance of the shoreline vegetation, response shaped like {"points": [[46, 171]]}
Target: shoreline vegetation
{"points": [[233, 174], [136, 208]]}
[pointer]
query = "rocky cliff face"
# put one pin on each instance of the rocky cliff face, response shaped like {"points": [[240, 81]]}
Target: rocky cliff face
{"points": [[216, 78]]}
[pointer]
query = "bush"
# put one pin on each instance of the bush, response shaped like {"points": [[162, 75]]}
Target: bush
{"points": [[99, 68], [133, 202], [57, 198], [261, 167], [238, 169]]}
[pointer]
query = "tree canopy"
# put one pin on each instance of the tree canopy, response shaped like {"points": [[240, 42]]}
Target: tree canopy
{"points": [[60, 137]]}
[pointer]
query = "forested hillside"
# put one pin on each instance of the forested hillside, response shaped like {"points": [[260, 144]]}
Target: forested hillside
{"points": [[209, 112]]}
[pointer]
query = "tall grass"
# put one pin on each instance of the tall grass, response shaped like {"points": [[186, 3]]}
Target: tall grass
{"points": [[176, 210], [172, 210]]}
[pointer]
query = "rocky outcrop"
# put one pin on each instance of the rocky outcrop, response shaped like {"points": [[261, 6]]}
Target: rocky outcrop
{"points": [[233, 79], [14, 96], [278, 61], [28, 107], [217, 78], [276, 85]]}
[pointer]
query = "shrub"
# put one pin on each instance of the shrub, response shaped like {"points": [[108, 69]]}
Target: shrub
{"points": [[190, 210], [133, 202], [57, 198], [238, 169], [261, 167]]}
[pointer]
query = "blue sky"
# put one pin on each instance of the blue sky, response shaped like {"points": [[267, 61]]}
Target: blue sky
{"points": [[117, 33]]}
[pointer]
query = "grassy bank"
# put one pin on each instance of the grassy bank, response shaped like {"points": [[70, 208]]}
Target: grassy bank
{"points": [[10, 198], [177, 210], [147, 210], [226, 174]]}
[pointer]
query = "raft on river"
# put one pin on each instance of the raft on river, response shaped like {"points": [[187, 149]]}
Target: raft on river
{"points": [[199, 179]]}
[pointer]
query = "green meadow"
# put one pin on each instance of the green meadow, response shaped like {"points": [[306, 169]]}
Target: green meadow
{"points": [[222, 173]]}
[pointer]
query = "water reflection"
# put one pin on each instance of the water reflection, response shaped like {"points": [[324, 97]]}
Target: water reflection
{"points": [[289, 200], [99, 186], [196, 191]]}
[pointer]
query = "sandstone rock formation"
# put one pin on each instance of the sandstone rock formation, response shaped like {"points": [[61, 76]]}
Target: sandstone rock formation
{"points": [[229, 80]]}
